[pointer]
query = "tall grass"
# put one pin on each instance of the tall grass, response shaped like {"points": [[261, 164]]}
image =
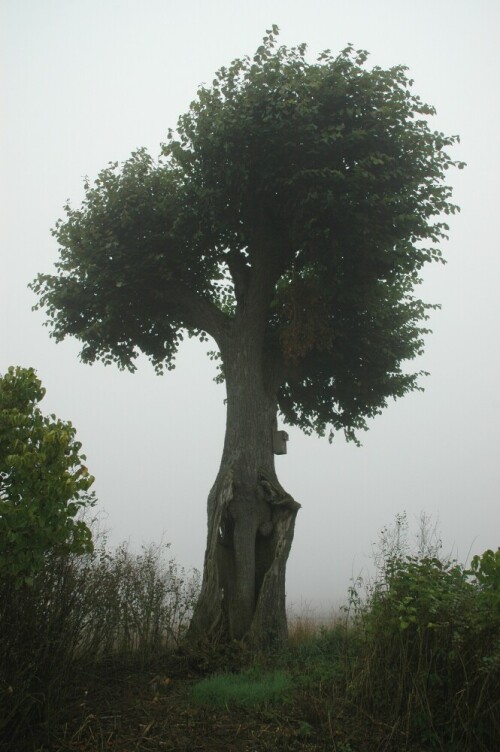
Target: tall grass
{"points": [[79, 612]]}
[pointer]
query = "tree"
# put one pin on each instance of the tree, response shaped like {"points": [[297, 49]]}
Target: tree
{"points": [[287, 218], [43, 481]]}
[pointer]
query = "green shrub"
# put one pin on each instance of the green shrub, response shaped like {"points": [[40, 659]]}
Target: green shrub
{"points": [[429, 657], [44, 483]]}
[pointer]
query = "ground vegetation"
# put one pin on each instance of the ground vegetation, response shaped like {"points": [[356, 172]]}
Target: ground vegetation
{"points": [[411, 663]]}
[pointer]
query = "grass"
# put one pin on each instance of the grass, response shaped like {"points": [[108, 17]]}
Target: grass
{"points": [[250, 688]]}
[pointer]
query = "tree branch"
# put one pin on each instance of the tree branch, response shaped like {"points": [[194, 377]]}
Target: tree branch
{"points": [[196, 311]]}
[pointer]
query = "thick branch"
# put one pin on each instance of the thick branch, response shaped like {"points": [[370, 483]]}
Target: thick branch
{"points": [[196, 311]]}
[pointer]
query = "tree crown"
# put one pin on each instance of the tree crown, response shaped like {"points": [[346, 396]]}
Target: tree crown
{"points": [[295, 200]]}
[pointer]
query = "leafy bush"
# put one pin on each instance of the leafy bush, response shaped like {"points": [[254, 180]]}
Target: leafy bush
{"points": [[43, 481], [429, 660]]}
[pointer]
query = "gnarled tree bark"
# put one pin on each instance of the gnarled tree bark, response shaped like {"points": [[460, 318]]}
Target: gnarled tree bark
{"points": [[250, 517]]}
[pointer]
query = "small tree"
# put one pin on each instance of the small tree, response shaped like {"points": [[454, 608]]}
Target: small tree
{"points": [[43, 481], [288, 219]]}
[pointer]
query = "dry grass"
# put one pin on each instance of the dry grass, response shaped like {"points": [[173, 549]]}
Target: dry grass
{"points": [[308, 625]]}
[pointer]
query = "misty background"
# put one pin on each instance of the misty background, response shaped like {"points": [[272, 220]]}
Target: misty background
{"points": [[87, 82]]}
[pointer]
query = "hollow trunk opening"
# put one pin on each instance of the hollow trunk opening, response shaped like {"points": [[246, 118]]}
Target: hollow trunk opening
{"points": [[250, 520]]}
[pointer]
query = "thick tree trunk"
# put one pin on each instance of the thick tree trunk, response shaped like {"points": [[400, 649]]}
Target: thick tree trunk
{"points": [[250, 517]]}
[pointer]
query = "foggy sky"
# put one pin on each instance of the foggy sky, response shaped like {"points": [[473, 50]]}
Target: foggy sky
{"points": [[85, 83]]}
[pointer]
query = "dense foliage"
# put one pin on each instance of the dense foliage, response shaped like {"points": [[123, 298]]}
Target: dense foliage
{"points": [[43, 481], [318, 184]]}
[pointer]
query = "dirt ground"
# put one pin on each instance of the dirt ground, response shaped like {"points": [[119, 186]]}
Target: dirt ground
{"points": [[142, 711]]}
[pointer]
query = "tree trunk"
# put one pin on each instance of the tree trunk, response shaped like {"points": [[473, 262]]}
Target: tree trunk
{"points": [[250, 517]]}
